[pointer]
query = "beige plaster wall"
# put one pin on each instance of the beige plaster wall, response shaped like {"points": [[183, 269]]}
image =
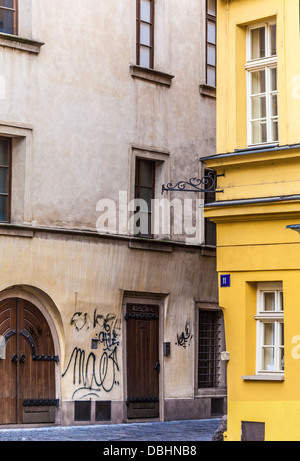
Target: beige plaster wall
{"points": [[86, 110], [86, 280]]}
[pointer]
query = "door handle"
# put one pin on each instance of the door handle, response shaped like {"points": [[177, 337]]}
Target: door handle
{"points": [[22, 358], [157, 366], [14, 358]]}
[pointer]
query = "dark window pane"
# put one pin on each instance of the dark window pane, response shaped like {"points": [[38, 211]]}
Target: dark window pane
{"points": [[3, 180], [144, 189], [4, 149], [3, 208], [146, 173], [210, 227], [146, 194], [7, 21]]}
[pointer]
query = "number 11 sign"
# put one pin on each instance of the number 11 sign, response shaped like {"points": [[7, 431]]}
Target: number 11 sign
{"points": [[225, 281]]}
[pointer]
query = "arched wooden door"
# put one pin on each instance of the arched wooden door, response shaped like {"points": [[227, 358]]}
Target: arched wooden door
{"points": [[27, 365]]}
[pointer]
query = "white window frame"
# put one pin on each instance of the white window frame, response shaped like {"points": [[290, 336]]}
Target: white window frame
{"points": [[263, 317], [252, 65]]}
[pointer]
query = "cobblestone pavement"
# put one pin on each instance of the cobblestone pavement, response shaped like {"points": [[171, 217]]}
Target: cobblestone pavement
{"points": [[188, 431]]}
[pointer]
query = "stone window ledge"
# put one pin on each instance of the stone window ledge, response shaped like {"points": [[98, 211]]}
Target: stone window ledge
{"points": [[15, 232], [150, 245], [151, 75], [20, 43], [275, 377], [207, 90]]}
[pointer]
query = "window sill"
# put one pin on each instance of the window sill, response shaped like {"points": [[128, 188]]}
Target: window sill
{"points": [[208, 250], [151, 75], [19, 43], [10, 230], [210, 392], [275, 377], [207, 90], [151, 245]]}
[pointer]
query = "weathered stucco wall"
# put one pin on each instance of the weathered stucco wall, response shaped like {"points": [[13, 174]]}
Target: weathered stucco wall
{"points": [[87, 279], [78, 120], [86, 109]]}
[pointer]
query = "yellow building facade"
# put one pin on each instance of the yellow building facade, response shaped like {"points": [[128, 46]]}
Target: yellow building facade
{"points": [[257, 212]]}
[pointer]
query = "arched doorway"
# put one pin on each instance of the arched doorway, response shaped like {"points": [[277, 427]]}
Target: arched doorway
{"points": [[27, 364]]}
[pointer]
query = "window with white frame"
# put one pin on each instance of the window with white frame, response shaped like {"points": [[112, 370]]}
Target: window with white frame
{"points": [[270, 329], [262, 88]]}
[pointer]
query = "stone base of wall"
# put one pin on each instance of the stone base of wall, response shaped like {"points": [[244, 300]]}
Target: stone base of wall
{"points": [[198, 408], [114, 412]]}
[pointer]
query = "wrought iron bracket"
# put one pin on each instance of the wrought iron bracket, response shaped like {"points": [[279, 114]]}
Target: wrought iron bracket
{"points": [[205, 185]]}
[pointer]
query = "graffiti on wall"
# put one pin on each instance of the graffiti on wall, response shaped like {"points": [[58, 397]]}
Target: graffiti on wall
{"points": [[185, 337], [95, 371]]}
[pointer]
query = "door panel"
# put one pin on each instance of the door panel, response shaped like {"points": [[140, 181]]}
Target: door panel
{"points": [[142, 360], [8, 367], [27, 373]]}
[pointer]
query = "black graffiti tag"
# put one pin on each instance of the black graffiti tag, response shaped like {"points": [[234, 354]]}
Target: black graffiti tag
{"points": [[91, 375], [185, 337], [93, 372]]}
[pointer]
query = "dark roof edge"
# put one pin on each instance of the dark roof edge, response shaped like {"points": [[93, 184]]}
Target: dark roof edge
{"points": [[250, 150], [252, 201]]}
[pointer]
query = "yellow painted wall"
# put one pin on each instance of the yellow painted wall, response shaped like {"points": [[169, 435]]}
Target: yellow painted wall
{"points": [[233, 18], [277, 404], [254, 243]]}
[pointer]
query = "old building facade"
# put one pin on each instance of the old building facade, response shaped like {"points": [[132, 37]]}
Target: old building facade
{"points": [[103, 316]]}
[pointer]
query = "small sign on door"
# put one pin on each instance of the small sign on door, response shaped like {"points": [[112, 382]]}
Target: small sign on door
{"points": [[225, 281]]}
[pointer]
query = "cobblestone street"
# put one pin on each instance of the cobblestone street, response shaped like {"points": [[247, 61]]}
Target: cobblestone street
{"points": [[188, 431]]}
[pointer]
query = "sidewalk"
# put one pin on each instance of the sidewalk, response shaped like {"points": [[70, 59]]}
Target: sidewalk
{"points": [[188, 431]]}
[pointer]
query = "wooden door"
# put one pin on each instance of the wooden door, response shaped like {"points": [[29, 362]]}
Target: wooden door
{"points": [[142, 328], [27, 365]]}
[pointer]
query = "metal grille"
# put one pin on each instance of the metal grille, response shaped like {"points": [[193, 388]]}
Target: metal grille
{"points": [[209, 349]]}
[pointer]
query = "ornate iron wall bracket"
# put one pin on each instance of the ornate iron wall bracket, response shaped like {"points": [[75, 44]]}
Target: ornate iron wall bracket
{"points": [[205, 185]]}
